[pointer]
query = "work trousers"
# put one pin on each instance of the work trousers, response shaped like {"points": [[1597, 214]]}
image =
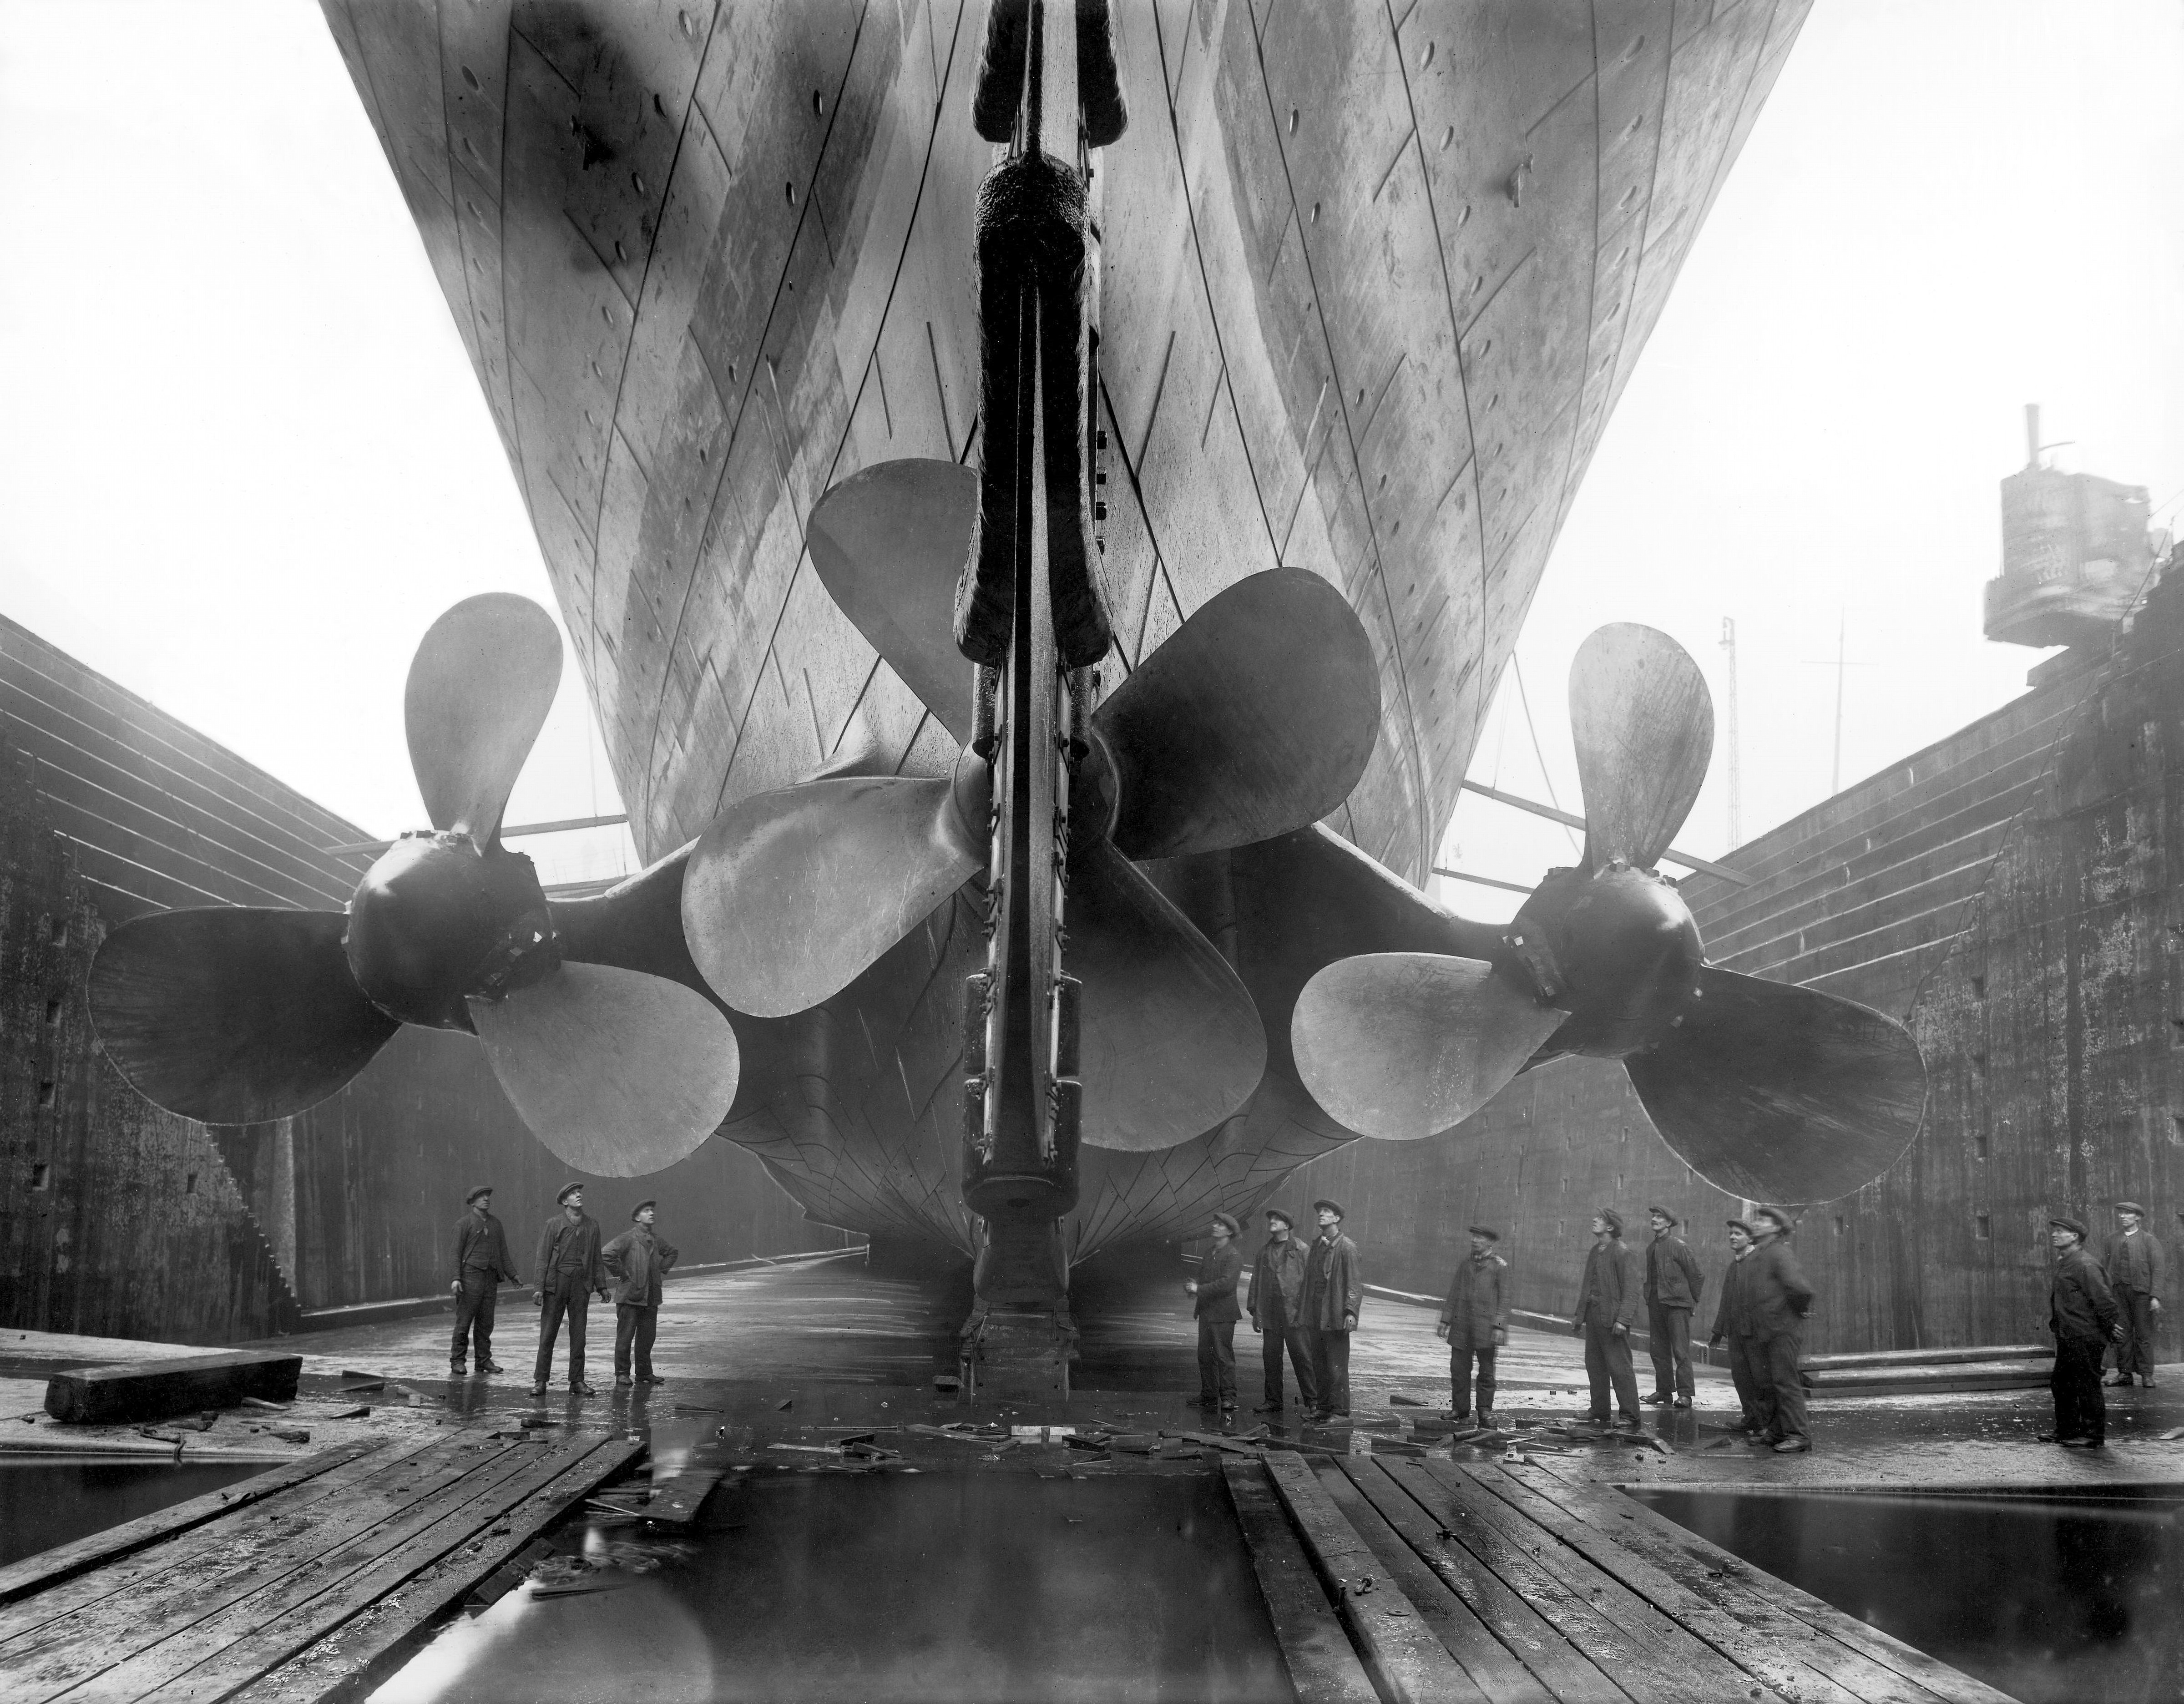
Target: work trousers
{"points": [[474, 1315], [1786, 1385], [2075, 1383], [636, 1326], [1459, 1377], [1278, 1335], [2134, 1356], [1669, 1330], [567, 1295], [1747, 1370], [1217, 1361], [1330, 1371], [1607, 1361]]}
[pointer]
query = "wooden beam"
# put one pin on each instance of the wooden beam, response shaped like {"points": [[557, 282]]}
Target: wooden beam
{"points": [[560, 826], [1737, 876], [1482, 880], [133, 1391], [1322, 1668]]}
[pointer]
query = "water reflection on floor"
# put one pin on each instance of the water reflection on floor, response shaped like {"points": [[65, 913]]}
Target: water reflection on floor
{"points": [[2054, 1600], [962, 1586], [45, 1502]]}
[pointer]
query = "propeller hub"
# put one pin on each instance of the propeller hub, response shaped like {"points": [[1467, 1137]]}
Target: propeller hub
{"points": [[437, 921], [1616, 949]]}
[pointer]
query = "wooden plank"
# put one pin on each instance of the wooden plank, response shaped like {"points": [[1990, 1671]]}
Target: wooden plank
{"points": [[125, 1392], [1565, 1671], [219, 1656], [1790, 1666], [1323, 1667], [64, 1561], [74, 1647], [360, 1654], [1656, 1651], [1409, 1664], [191, 1548], [1759, 1598], [1500, 1677]]}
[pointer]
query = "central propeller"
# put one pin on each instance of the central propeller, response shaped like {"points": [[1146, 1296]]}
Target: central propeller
{"points": [[1768, 1090], [1255, 718], [236, 1015]]}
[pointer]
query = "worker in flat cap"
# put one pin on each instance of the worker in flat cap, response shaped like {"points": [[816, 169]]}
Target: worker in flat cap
{"points": [[1474, 1323], [1737, 1326], [1214, 1293], [637, 1259], [1334, 1292], [1275, 1304], [1779, 1300], [2082, 1313], [483, 1264], [2133, 1263], [1673, 1285], [1607, 1309], [568, 1271]]}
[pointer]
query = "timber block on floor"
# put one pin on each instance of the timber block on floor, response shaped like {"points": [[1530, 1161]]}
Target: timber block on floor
{"points": [[1022, 1357], [127, 1392]]}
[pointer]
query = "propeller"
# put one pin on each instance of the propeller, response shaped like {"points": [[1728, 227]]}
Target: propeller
{"points": [[1766, 1089], [1255, 718], [234, 1016]]}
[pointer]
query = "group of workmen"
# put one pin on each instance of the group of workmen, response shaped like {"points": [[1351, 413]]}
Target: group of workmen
{"points": [[1303, 1302], [2094, 1306], [572, 1266]]}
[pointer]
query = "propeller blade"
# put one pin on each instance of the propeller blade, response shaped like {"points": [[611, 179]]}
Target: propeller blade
{"points": [[234, 1014], [1402, 1045], [889, 544], [1255, 719], [618, 1072], [1643, 723], [480, 685], [791, 894], [1171, 1043], [1778, 1092]]}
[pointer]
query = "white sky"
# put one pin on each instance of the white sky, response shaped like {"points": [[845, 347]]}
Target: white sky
{"points": [[243, 462]]}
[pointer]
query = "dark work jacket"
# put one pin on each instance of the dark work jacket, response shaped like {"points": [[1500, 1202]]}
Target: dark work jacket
{"points": [[563, 1247], [1780, 1296], [1732, 1314], [482, 1243], [1217, 1276], [1276, 1292], [1613, 1288], [2134, 1262], [2079, 1304], [1673, 1278], [1332, 1286], [1473, 1310], [637, 1258]]}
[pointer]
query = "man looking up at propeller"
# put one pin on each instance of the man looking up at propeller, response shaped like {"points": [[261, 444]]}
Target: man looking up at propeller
{"points": [[568, 1271], [1673, 1285], [1779, 1298], [1276, 1305], [1607, 1309], [1474, 1323], [1735, 1324], [638, 1258], [1215, 1306], [1333, 1291], [2082, 1313], [482, 1262]]}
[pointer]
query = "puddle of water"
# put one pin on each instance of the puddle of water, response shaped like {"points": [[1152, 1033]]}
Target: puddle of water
{"points": [[44, 1503], [2055, 1601], [956, 1586]]}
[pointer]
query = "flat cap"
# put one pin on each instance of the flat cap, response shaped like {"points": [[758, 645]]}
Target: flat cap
{"points": [[642, 1206], [1739, 1225], [1333, 1207], [2072, 1226], [1611, 1219], [1229, 1220], [482, 1189], [1490, 1236], [1665, 1214], [567, 1190], [1284, 1215], [2131, 1207], [1780, 1218]]}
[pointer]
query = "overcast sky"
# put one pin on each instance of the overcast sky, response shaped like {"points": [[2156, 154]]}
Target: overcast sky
{"points": [[244, 462]]}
